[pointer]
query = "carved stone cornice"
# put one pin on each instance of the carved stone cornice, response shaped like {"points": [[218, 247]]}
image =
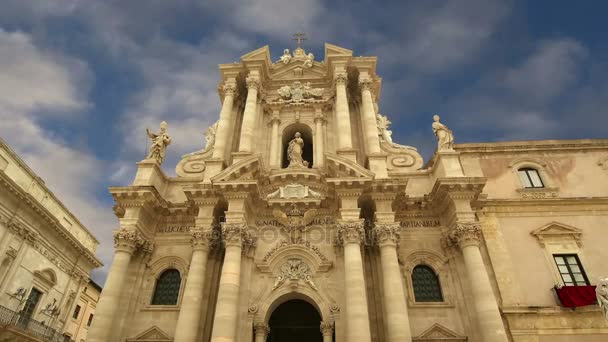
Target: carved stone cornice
{"points": [[253, 82], [466, 234], [340, 79], [387, 234], [261, 329], [130, 240], [327, 328], [350, 232]]}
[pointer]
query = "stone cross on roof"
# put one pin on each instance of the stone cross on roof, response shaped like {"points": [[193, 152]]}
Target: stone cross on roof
{"points": [[300, 36]]}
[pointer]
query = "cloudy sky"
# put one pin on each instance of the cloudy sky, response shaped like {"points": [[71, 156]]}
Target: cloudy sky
{"points": [[81, 80]]}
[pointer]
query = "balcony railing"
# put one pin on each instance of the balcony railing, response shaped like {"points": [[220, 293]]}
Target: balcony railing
{"points": [[29, 326]]}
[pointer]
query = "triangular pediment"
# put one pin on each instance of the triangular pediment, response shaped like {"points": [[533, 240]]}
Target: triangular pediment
{"points": [[438, 332], [556, 230], [340, 167], [336, 51], [153, 334], [261, 54], [247, 169], [297, 71]]}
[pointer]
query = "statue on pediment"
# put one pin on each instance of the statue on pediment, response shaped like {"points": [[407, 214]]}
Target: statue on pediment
{"points": [[160, 142], [445, 137], [310, 58], [294, 151], [286, 58]]}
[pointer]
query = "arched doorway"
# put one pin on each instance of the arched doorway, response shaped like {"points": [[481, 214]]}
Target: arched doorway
{"points": [[295, 320], [288, 135]]}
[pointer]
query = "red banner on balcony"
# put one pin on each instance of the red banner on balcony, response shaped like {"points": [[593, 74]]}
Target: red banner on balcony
{"points": [[573, 296]]}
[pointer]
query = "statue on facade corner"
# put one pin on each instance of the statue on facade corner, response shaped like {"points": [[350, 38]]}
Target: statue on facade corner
{"points": [[286, 58], [309, 59], [601, 292], [294, 151], [210, 136], [160, 142], [445, 137]]}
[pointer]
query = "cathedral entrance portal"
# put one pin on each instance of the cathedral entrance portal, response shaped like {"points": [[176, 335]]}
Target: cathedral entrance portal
{"points": [[295, 321]]}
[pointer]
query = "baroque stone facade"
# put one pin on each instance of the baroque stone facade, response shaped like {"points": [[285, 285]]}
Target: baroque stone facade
{"points": [[46, 256], [302, 220]]}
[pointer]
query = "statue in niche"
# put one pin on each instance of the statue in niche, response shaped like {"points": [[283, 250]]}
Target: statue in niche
{"points": [[286, 58], [160, 142], [601, 291], [445, 137], [294, 151], [310, 58]]}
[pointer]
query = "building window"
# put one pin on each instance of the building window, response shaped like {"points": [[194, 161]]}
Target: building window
{"points": [[529, 178], [90, 320], [571, 270], [167, 288], [76, 312], [426, 285]]}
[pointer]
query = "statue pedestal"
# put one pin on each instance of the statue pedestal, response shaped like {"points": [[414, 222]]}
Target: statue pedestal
{"points": [[150, 173], [447, 164], [348, 153], [377, 164]]}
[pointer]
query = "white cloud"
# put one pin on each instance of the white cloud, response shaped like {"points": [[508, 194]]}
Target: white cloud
{"points": [[37, 85]]}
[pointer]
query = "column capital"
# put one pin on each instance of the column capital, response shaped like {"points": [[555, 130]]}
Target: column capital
{"points": [[340, 78], [129, 240], [236, 234], [465, 234], [350, 232], [229, 89], [202, 240], [253, 82], [366, 83], [327, 328], [387, 234], [261, 328]]}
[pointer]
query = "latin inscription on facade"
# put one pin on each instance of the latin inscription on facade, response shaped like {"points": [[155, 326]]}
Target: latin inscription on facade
{"points": [[420, 223]]}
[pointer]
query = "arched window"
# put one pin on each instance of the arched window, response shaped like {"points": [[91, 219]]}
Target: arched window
{"points": [[530, 178], [426, 285], [167, 287]]}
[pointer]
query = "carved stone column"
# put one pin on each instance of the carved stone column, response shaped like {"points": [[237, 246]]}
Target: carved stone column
{"points": [[369, 116], [223, 126], [319, 146], [342, 113], [327, 330], [467, 235], [125, 244], [350, 236], [226, 312], [275, 157], [397, 319], [249, 116], [261, 331], [188, 320]]}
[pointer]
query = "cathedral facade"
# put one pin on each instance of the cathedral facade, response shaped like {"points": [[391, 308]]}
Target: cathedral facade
{"points": [[302, 220]]}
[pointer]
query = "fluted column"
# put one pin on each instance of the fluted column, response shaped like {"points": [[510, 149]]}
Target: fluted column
{"points": [[223, 125], [226, 312], [189, 317], [351, 235], [125, 244], [261, 331], [369, 116], [342, 113], [468, 236], [249, 116], [274, 145], [319, 146], [327, 330], [397, 319]]}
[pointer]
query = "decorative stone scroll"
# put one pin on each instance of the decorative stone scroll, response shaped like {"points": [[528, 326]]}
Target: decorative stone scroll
{"points": [[129, 240], [400, 157], [350, 232], [237, 234], [387, 233], [327, 328], [294, 269], [298, 92], [465, 234], [193, 164]]}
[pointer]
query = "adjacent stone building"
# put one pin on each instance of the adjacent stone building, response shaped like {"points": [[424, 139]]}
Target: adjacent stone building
{"points": [[46, 255], [81, 318], [302, 220]]}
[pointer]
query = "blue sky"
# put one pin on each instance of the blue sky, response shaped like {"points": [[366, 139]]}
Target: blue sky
{"points": [[81, 80]]}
